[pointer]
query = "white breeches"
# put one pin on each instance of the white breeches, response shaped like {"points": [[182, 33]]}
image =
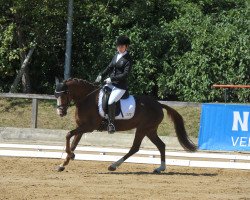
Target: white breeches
{"points": [[116, 94]]}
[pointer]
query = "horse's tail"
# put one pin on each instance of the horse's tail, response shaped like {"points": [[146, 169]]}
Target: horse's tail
{"points": [[180, 130]]}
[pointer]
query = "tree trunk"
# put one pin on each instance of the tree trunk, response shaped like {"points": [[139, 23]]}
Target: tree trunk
{"points": [[26, 81], [21, 72], [26, 87]]}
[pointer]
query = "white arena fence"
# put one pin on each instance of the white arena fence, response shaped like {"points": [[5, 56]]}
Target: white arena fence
{"points": [[200, 159]]}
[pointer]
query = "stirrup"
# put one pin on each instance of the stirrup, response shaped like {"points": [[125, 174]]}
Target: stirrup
{"points": [[111, 128]]}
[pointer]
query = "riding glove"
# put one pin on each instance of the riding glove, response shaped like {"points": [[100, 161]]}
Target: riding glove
{"points": [[108, 80], [98, 79]]}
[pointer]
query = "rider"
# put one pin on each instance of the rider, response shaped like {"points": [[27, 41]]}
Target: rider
{"points": [[117, 71]]}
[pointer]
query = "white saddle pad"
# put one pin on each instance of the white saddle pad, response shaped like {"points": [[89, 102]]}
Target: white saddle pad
{"points": [[127, 107]]}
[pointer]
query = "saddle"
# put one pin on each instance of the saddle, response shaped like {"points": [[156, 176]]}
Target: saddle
{"points": [[125, 107], [106, 94]]}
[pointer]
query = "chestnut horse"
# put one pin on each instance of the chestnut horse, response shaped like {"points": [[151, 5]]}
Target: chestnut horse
{"points": [[148, 115]]}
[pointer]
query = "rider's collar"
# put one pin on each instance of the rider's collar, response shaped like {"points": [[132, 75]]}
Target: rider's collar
{"points": [[122, 54]]}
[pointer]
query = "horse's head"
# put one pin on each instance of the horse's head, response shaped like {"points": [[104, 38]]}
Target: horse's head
{"points": [[63, 97], [72, 89]]}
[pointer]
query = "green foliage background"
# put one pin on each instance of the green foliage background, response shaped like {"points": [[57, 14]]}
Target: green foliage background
{"points": [[180, 48]]}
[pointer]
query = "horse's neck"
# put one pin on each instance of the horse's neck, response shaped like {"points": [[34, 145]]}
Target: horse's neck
{"points": [[79, 93]]}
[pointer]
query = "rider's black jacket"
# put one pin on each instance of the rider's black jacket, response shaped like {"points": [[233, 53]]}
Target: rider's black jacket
{"points": [[119, 71]]}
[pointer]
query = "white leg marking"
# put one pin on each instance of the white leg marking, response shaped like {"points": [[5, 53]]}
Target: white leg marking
{"points": [[161, 168], [117, 163]]}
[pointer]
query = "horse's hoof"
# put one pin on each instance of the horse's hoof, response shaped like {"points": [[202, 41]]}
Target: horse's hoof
{"points": [[60, 168], [111, 168], [72, 157], [156, 171]]}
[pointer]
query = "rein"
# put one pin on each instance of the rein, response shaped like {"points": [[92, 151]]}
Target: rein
{"points": [[65, 106], [100, 86]]}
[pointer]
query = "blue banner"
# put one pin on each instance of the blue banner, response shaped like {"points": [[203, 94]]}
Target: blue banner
{"points": [[225, 127]]}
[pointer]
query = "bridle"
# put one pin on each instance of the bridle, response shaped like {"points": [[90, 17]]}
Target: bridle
{"points": [[65, 105]]}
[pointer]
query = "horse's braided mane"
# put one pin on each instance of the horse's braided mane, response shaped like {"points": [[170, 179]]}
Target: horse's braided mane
{"points": [[80, 81]]}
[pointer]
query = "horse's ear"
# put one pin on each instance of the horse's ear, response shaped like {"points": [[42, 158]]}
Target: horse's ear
{"points": [[57, 80]]}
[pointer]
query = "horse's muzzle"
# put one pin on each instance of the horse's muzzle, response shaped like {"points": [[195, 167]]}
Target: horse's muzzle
{"points": [[61, 111]]}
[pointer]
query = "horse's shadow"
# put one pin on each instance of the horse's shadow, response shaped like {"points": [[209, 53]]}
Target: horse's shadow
{"points": [[161, 174]]}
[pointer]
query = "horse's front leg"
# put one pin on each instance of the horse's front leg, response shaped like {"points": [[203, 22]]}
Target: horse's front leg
{"points": [[70, 154], [75, 142]]}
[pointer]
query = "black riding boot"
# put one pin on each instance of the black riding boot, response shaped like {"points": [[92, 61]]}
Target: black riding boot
{"points": [[111, 118]]}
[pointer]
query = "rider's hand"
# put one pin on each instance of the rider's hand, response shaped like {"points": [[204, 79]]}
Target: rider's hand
{"points": [[98, 79], [108, 80]]}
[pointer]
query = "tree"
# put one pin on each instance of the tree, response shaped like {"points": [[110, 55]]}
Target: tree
{"points": [[179, 47]]}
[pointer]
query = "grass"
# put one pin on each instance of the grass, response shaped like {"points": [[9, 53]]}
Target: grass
{"points": [[17, 113]]}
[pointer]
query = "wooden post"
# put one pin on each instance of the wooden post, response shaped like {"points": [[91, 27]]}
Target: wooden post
{"points": [[34, 113], [225, 94]]}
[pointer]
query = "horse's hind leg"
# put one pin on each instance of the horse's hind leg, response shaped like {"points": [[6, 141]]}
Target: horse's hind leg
{"points": [[161, 147], [139, 135]]}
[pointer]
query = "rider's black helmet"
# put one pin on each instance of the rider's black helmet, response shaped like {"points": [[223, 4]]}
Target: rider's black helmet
{"points": [[123, 40]]}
